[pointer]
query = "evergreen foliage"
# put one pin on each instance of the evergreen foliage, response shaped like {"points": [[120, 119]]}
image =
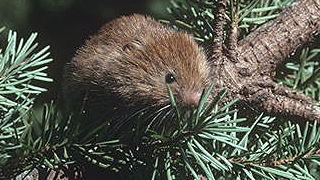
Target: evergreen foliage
{"points": [[19, 69], [215, 141]]}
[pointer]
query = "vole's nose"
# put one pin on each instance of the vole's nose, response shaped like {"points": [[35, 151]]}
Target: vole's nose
{"points": [[191, 98]]}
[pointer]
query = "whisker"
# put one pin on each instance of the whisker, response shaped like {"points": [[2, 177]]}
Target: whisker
{"points": [[158, 114]]}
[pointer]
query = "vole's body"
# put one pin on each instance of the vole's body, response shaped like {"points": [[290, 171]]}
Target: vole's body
{"points": [[132, 59]]}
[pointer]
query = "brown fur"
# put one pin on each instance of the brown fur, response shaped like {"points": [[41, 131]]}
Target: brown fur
{"points": [[130, 57]]}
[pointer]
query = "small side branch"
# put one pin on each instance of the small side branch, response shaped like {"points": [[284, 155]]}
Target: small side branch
{"points": [[280, 103], [232, 38], [284, 161], [218, 34]]}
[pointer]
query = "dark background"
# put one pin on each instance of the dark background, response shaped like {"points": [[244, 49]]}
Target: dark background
{"points": [[66, 24]]}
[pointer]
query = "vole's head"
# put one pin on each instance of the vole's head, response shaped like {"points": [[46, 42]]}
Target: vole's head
{"points": [[137, 58], [172, 59]]}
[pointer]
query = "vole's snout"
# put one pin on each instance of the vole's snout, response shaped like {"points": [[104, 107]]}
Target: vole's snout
{"points": [[190, 98]]}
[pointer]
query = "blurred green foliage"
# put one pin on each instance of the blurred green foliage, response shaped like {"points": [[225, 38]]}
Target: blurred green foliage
{"points": [[14, 13]]}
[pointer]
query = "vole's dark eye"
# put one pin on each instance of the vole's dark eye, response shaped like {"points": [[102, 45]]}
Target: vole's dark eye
{"points": [[170, 78]]}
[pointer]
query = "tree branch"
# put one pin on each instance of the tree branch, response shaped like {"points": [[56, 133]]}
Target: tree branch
{"points": [[259, 54], [272, 42]]}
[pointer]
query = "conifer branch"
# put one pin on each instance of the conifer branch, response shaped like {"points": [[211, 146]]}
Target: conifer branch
{"points": [[214, 142]]}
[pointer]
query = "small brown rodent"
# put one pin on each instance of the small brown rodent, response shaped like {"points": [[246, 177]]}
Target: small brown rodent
{"points": [[131, 60]]}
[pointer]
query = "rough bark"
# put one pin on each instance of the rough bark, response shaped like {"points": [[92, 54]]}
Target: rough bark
{"points": [[249, 76], [272, 42]]}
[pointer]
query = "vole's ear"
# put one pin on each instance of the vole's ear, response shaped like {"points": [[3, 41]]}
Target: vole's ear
{"points": [[132, 45]]}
